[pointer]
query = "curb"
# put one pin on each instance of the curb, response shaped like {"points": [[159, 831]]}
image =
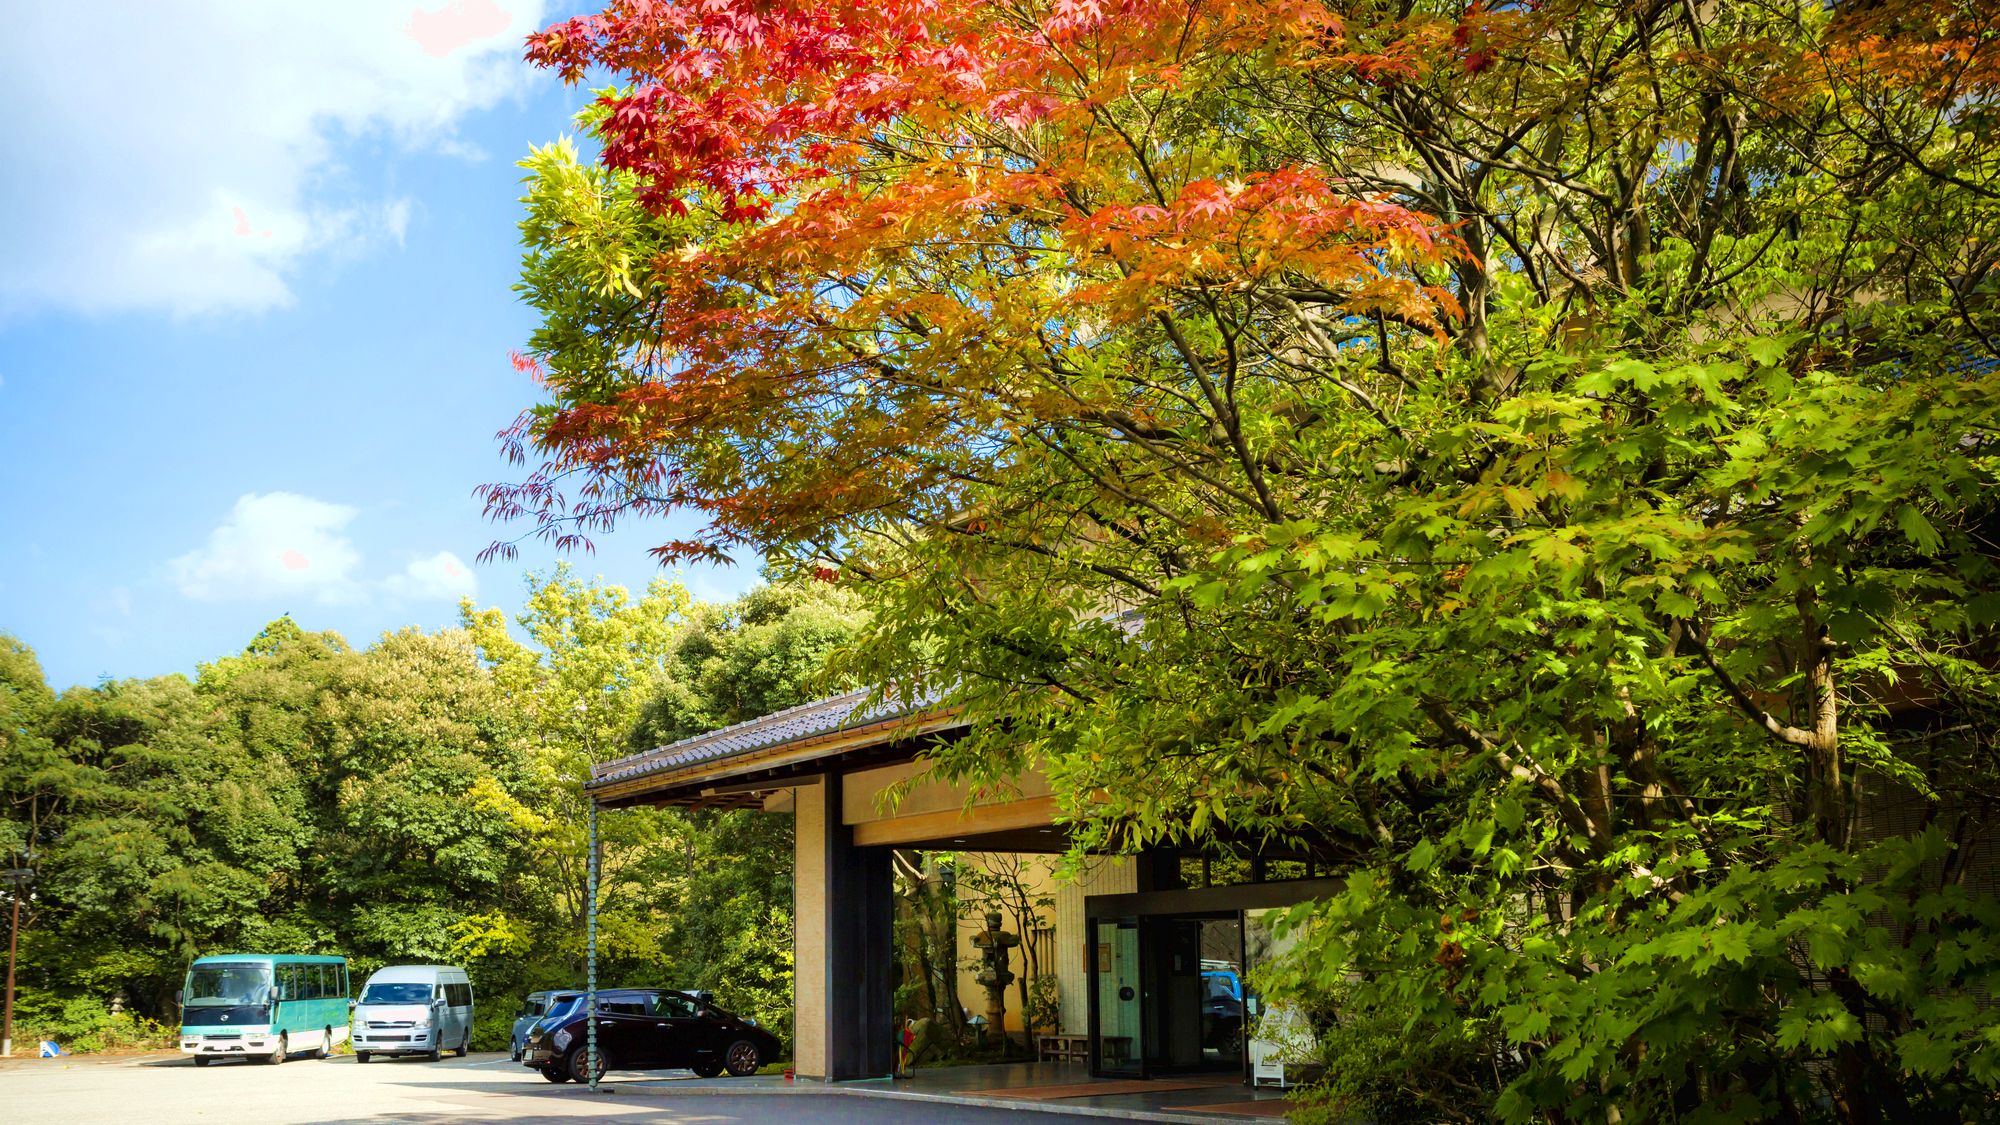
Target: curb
{"points": [[1016, 1105]]}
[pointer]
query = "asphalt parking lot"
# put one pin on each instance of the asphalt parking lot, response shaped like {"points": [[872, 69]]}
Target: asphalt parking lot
{"points": [[479, 1088]]}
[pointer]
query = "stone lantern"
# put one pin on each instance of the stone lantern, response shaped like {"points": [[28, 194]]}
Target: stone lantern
{"points": [[993, 975]]}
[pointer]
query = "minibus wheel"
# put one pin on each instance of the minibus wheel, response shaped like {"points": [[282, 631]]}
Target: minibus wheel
{"points": [[326, 1044], [201, 1060], [361, 1056], [277, 1057]]}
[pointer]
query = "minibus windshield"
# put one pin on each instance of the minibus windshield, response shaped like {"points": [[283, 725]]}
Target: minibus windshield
{"points": [[226, 985], [385, 993]]}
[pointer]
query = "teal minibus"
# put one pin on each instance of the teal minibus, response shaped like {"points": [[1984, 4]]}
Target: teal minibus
{"points": [[263, 1006]]}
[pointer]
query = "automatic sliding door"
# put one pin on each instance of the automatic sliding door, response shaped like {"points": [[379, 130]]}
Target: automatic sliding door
{"points": [[1117, 1010]]}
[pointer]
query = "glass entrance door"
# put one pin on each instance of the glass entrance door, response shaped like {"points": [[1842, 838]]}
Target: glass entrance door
{"points": [[1117, 1008]]}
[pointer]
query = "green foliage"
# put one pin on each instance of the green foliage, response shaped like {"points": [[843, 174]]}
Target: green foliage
{"points": [[1620, 618], [418, 800], [83, 1025], [770, 650]]}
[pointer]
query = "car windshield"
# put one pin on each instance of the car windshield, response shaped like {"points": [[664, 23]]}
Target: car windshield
{"points": [[384, 993], [223, 985]]}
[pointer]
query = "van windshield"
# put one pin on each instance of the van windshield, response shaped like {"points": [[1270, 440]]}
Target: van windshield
{"points": [[221, 985], [385, 993]]}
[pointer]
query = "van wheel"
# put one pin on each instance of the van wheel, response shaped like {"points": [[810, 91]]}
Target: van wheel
{"points": [[361, 1056], [200, 1060], [464, 1044], [743, 1058], [436, 1054], [277, 1057]]}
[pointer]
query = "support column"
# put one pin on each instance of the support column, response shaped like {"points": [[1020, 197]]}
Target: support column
{"points": [[1157, 869], [843, 1018]]}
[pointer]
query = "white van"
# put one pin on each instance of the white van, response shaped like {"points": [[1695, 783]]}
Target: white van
{"points": [[413, 1010]]}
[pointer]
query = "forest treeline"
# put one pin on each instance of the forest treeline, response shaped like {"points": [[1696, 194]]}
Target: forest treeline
{"points": [[416, 800]]}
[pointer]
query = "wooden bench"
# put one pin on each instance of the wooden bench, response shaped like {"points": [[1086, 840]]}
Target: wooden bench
{"points": [[1062, 1048]]}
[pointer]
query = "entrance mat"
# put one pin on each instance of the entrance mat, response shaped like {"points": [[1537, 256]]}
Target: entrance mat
{"points": [[1098, 1089], [1269, 1107]]}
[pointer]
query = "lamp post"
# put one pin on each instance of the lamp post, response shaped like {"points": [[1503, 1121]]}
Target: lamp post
{"points": [[18, 878]]}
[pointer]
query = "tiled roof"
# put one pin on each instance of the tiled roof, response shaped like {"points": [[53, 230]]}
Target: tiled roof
{"points": [[794, 724]]}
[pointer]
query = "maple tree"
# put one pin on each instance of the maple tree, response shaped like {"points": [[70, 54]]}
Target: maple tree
{"points": [[1549, 446]]}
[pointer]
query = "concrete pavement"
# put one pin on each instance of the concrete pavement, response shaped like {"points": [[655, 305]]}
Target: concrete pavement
{"points": [[480, 1088]]}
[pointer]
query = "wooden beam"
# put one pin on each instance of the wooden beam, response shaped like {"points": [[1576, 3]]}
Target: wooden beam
{"points": [[1034, 812], [764, 785]]}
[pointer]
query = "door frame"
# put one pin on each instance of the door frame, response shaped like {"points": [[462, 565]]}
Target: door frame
{"points": [[1151, 928], [1092, 947], [1147, 909]]}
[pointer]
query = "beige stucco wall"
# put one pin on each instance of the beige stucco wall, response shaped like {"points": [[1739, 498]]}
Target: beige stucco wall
{"points": [[1048, 874], [1103, 875], [865, 799], [809, 983], [1037, 873], [1100, 875]]}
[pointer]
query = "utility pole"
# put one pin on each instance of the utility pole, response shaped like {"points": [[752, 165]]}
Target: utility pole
{"points": [[18, 878]]}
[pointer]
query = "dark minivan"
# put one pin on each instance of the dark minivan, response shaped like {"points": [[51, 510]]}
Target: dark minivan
{"points": [[537, 1005], [648, 1029]]}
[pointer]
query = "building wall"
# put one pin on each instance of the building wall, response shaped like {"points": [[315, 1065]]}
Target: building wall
{"points": [[809, 983], [1037, 874], [1102, 875], [873, 795], [1043, 875]]}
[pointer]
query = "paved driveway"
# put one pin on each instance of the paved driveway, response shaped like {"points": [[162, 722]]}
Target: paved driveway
{"points": [[476, 1089]]}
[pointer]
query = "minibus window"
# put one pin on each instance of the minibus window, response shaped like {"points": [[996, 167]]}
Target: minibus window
{"points": [[383, 993], [227, 984]]}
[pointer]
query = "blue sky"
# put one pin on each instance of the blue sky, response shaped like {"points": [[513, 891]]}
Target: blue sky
{"points": [[204, 425]]}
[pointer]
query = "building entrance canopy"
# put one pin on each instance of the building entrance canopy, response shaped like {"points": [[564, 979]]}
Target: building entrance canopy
{"points": [[1159, 970]]}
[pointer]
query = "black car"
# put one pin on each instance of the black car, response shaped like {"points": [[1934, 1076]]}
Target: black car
{"points": [[648, 1029]]}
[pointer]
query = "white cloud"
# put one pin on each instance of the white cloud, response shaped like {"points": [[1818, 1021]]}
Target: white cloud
{"points": [[116, 600], [194, 166], [439, 577], [275, 543]]}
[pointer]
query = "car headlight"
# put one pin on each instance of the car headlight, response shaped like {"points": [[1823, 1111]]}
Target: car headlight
{"points": [[562, 1040]]}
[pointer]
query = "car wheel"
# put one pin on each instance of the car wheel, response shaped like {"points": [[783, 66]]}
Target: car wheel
{"points": [[573, 1063], [277, 1057], [555, 1074], [707, 1069], [743, 1058], [202, 1061]]}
